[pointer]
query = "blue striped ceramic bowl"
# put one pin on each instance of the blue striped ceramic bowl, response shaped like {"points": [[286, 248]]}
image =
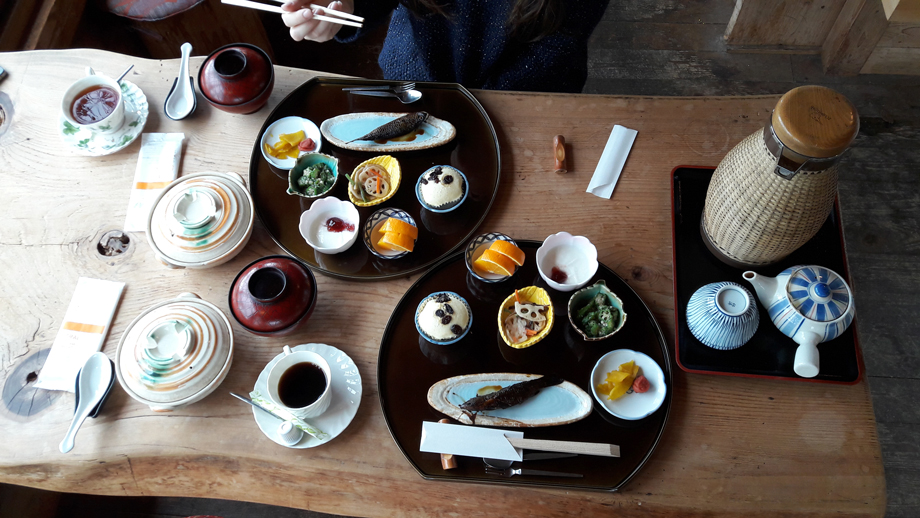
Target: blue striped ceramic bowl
{"points": [[722, 315]]}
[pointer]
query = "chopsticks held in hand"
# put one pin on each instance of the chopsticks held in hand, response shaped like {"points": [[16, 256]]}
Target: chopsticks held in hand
{"points": [[344, 18]]}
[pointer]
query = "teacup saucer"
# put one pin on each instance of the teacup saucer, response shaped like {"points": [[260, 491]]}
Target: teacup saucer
{"points": [[346, 397], [87, 142]]}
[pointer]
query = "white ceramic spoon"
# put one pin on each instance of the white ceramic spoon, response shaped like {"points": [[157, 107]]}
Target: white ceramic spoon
{"points": [[181, 100], [92, 384]]}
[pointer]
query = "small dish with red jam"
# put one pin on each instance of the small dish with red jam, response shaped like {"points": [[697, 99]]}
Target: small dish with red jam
{"points": [[566, 262], [330, 226]]}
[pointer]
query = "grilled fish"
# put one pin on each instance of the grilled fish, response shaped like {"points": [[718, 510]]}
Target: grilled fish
{"points": [[396, 127], [509, 396]]}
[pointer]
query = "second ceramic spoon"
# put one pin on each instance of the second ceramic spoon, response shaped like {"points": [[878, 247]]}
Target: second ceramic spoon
{"points": [[92, 386]]}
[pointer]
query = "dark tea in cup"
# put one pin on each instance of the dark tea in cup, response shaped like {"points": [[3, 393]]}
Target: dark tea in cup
{"points": [[94, 104], [301, 385]]}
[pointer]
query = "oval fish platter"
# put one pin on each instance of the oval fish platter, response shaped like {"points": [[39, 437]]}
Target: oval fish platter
{"points": [[559, 404], [344, 128]]}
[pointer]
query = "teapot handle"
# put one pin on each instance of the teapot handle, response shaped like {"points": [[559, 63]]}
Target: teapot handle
{"points": [[807, 361]]}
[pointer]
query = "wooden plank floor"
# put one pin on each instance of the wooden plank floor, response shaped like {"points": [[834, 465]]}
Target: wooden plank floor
{"points": [[672, 47]]}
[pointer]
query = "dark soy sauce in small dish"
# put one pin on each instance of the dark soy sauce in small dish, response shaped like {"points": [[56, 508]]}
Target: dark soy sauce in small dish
{"points": [[94, 104], [301, 385]]}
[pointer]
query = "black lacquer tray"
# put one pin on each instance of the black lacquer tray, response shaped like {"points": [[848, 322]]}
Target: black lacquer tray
{"points": [[408, 365], [769, 354], [474, 150]]}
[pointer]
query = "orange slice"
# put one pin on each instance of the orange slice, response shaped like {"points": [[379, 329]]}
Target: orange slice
{"points": [[395, 241], [512, 252], [400, 227], [494, 262]]}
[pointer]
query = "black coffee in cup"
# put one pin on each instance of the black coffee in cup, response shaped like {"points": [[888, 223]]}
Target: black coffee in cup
{"points": [[301, 385]]}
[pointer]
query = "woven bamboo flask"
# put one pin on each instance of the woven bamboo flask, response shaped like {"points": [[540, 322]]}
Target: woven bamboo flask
{"points": [[774, 190]]}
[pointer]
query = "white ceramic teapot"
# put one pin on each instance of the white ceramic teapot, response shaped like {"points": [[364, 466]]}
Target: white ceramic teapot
{"points": [[810, 304]]}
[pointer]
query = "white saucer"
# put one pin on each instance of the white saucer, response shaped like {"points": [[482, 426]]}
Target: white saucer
{"points": [[632, 406], [90, 143], [346, 397]]}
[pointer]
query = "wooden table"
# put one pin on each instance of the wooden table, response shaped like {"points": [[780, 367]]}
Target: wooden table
{"points": [[732, 446]]}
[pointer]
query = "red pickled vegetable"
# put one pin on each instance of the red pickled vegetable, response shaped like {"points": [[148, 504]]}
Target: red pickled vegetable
{"points": [[306, 144], [641, 384]]}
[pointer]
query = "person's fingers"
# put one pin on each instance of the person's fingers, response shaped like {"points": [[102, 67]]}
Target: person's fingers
{"points": [[293, 6], [297, 18]]}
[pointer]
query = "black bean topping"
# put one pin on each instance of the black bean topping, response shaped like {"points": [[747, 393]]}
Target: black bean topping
{"points": [[448, 179], [455, 329], [435, 180], [446, 320], [443, 297], [439, 313], [448, 309], [424, 181]]}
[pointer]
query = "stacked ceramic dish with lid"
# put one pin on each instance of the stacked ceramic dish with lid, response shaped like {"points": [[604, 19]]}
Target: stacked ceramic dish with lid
{"points": [[175, 353], [201, 220]]}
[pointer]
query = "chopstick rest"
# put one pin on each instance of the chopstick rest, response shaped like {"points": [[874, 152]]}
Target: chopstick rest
{"points": [[612, 160]]}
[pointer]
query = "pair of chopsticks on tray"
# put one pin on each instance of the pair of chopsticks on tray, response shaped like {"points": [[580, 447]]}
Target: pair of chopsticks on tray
{"points": [[344, 18]]}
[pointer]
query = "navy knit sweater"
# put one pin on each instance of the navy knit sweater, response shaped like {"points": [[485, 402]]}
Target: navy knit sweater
{"points": [[473, 48]]}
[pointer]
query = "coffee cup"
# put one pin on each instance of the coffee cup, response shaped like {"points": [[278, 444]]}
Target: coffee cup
{"points": [[301, 383], [94, 102]]}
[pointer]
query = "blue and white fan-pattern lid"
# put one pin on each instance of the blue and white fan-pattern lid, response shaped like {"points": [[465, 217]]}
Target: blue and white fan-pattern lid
{"points": [[818, 293]]}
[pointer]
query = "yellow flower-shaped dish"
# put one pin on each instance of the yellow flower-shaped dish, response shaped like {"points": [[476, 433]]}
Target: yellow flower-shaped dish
{"points": [[392, 167], [532, 294]]}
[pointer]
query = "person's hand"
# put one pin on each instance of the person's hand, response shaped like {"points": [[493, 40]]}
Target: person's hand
{"points": [[300, 18]]}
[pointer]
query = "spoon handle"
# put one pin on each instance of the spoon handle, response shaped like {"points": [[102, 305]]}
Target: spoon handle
{"points": [[67, 443], [186, 49]]}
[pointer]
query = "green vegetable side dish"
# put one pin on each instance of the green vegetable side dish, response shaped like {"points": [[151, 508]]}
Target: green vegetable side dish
{"points": [[598, 317], [316, 179]]}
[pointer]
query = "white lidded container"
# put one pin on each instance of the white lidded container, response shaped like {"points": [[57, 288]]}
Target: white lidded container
{"points": [[175, 353], [201, 220]]}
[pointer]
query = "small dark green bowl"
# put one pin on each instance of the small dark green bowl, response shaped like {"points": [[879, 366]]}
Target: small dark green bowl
{"points": [[303, 162], [581, 297]]}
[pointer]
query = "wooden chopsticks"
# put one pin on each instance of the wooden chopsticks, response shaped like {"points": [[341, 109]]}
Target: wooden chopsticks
{"points": [[345, 18]]}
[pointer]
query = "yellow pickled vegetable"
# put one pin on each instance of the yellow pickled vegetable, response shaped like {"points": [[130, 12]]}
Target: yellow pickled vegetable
{"points": [[618, 382]]}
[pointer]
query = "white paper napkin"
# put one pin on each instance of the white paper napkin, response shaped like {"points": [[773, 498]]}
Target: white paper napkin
{"points": [[85, 326], [157, 167], [612, 160]]}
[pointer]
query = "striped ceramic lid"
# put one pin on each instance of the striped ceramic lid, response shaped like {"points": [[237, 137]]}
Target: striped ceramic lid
{"points": [[200, 219], [818, 293], [174, 350]]}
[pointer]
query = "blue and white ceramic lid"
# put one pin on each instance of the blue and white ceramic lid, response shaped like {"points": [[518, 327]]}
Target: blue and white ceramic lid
{"points": [[818, 293]]}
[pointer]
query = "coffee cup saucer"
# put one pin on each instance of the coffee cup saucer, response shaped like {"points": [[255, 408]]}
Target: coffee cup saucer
{"points": [[346, 397], [90, 143]]}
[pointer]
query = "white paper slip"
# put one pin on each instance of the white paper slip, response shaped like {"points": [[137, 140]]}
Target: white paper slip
{"points": [[157, 167], [85, 326], [612, 160], [469, 441]]}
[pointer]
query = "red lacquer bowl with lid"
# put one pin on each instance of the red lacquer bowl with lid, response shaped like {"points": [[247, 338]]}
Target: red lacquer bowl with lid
{"points": [[237, 78], [273, 296]]}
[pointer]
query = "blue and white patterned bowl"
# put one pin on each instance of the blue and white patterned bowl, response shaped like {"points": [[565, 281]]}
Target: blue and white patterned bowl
{"points": [[723, 315], [475, 249], [372, 233]]}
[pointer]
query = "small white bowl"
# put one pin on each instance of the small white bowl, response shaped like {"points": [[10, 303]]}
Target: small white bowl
{"points": [[313, 222], [574, 255], [632, 406], [289, 125]]}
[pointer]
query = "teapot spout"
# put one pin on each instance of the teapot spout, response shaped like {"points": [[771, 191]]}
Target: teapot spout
{"points": [[765, 287]]}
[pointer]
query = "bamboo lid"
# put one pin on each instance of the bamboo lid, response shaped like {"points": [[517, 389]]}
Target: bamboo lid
{"points": [[815, 121]]}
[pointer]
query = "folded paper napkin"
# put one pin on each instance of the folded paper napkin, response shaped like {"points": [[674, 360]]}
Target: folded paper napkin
{"points": [[83, 330], [157, 167], [256, 396], [612, 160]]}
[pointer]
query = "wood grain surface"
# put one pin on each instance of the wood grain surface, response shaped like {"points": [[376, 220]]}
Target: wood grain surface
{"points": [[732, 445]]}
